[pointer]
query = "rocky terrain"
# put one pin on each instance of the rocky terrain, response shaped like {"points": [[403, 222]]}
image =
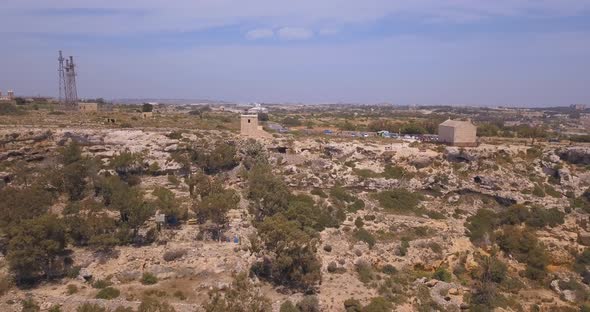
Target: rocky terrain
{"points": [[422, 258]]}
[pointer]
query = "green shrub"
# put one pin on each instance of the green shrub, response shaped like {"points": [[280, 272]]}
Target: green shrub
{"points": [[55, 308], [288, 306], [365, 271], [525, 247], [359, 222], [352, 305], [357, 205], [90, 307], [5, 284], [378, 304], [150, 304], [72, 289], [29, 305], [398, 200], [341, 194], [309, 303], [549, 190], [442, 274], [404, 245], [148, 279], [480, 227], [319, 192], [394, 172], [100, 284], [108, 293], [389, 269], [365, 173], [538, 191], [364, 236], [179, 294]]}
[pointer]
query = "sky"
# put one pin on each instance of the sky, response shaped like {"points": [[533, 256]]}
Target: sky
{"points": [[418, 52]]}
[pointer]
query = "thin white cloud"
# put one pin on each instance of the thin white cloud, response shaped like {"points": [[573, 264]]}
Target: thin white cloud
{"points": [[329, 31], [295, 33], [260, 33], [190, 15]]}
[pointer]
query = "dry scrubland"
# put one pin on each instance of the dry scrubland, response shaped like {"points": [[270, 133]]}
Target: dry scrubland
{"points": [[293, 223]]}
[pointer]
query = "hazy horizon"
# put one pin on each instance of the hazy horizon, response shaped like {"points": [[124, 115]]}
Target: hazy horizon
{"points": [[423, 52]]}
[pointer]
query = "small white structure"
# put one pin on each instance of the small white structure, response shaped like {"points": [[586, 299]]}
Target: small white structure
{"points": [[457, 133], [257, 109]]}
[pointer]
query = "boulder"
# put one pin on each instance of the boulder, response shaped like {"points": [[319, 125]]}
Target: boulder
{"points": [[576, 155]]}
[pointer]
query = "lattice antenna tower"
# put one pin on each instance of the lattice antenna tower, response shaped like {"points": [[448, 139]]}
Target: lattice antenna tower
{"points": [[71, 92], [62, 79]]}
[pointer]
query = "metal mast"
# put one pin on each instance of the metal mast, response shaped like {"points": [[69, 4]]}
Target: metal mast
{"points": [[71, 94], [62, 79]]}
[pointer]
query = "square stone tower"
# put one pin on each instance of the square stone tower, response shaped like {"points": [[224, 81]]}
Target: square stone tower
{"points": [[249, 127]]}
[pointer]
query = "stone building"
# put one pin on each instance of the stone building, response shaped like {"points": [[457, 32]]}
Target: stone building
{"points": [[249, 127], [87, 107], [147, 115], [457, 133]]}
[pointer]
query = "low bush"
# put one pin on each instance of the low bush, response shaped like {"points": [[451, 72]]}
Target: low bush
{"points": [[365, 271], [72, 289], [108, 293], [352, 305], [442, 274], [100, 284], [364, 236], [288, 306], [388, 269], [172, 255], [398, 200], [179, 294], [309, 304], [5, 284], [148, 279], [90, 307]]}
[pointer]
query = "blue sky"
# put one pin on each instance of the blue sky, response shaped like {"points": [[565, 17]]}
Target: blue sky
{"points": [[457, 52]]}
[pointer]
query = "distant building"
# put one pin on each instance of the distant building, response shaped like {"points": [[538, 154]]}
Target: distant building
{"points": [[578, 106], [9, 97], [457, 133], [249, 127], [257, 109], [147, 115], [87, 107]]}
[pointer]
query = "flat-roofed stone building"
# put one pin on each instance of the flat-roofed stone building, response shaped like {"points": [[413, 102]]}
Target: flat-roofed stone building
{"points": [[249, 127], [457, 133], [87, 107]]}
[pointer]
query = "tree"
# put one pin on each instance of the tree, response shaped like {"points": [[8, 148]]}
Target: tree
{"points": [[34, 246], [268, 192], [93, 228], [215, 205], [71, 153], [131, 205], [17, 204], [293, 251], [199, 184], [75, 179], [221, 158], [147, 107], [166, 202]]}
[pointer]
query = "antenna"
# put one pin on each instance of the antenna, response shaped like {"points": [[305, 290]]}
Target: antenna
{"points": [[62, 79], [71, 93]]}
